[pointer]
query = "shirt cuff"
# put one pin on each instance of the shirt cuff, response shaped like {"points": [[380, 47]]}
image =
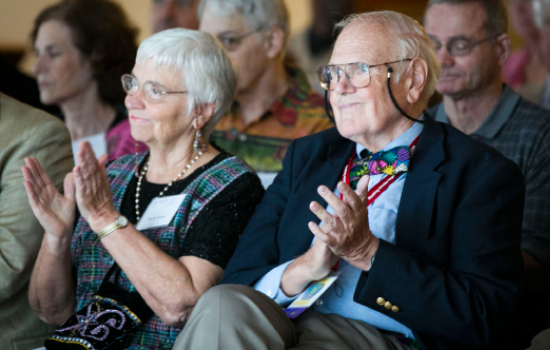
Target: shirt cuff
{"points": [[270, 284]]}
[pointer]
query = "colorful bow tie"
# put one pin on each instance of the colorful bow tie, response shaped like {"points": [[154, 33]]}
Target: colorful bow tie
{"points": [[392, 162]]}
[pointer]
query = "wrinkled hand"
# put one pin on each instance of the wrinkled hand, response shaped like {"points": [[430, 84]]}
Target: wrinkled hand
{"points": [[314, 265], [319, 259], [346, 232], [54, 211], [93, 192]]}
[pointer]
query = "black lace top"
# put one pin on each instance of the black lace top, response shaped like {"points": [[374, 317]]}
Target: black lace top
{"points": [[214, 233]]}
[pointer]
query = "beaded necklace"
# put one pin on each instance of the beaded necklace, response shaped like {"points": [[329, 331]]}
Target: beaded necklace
{"points": [[144, 171]]}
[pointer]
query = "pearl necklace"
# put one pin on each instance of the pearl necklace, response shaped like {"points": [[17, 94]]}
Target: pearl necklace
{"points": [[144, 171]]}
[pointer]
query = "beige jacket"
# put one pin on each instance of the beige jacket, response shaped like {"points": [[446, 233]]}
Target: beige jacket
{"points": [[24, 132]]}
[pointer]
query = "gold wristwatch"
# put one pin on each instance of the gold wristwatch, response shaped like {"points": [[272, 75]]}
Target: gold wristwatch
{"points": [[120, 222]]}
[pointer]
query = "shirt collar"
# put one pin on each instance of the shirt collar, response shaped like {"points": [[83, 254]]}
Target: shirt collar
{"points": [[500, 114], [405, 139]]}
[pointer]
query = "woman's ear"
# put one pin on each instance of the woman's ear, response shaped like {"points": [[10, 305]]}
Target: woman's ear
{"points": [[275, 41], [204, 113], [417, 75]]}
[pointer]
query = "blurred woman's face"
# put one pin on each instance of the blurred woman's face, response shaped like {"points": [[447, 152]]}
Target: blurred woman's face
{"points": [[164, 123], [61, 71]]}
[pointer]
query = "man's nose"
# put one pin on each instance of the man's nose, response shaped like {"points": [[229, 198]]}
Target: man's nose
{"points": [[343, 85], [445, 57]]}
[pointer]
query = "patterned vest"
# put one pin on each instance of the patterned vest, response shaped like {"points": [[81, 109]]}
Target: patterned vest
{"points": [[92, 260]]}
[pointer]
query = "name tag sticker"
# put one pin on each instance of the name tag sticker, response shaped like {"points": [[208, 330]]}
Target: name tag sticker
{"points": [[310, 295], [160, 212]]}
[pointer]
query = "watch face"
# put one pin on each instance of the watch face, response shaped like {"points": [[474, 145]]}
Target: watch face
{"points": [[121, 220]]}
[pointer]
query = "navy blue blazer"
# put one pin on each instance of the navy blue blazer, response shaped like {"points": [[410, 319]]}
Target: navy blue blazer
{"points": [[456, 266]]}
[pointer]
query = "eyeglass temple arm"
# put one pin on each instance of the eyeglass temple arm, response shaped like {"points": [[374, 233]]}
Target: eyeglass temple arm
{"points": [[390, 70], [327, 108]]}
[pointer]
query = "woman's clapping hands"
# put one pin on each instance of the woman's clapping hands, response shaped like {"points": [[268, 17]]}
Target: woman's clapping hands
{"points": [[87, 186]]}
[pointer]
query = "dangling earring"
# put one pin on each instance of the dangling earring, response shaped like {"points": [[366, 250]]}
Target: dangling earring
{"points": [[197, 144], [136, 167]]}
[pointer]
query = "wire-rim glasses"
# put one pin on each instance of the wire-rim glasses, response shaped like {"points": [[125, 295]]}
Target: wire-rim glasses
{"points": [[153, 92], [457, 47], [357, 73]]}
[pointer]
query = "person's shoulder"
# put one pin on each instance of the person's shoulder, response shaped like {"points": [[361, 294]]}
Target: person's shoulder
{"points": [[124, 164], [14, 111], [26, 123], [466, 151], [532, 92], [224, 162], [530, 116]]}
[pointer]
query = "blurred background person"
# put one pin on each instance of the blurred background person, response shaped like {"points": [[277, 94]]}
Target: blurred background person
{"points": [[539, 92], [24, 132], [471, 40], [166, 14], [311, 48], [82, 49], [524, 66], [181, 84], [274, 103], [20, 86]]}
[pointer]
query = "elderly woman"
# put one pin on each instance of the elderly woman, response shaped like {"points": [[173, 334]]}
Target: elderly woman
{"points": [[82, 48], [170, 221]]}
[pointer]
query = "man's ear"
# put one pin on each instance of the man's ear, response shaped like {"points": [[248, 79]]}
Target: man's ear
{"points": [[416, 77], [503, 48], [274, 41], [204, 113]]}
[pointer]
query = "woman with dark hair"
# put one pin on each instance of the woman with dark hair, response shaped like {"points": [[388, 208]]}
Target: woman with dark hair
{"points": [[82, 49]]}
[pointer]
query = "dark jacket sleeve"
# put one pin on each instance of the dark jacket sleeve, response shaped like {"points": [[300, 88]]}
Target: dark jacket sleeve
{"points": [[257, 251]]}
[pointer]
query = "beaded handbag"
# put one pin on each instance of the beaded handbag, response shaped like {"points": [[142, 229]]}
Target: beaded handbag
{"points": [[108, 322]]}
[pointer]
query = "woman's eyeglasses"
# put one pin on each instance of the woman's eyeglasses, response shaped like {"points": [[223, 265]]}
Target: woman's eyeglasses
{"points": [[153, 92]]}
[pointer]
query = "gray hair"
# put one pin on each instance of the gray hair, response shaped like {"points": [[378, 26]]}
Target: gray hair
{"points": [[205, 70], [408, 39], [256, 13], [496, 10]]}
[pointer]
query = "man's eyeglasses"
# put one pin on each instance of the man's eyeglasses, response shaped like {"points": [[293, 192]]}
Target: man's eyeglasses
{"points": [[153, 92], [232, 43], [458, 46], [357, 73]]}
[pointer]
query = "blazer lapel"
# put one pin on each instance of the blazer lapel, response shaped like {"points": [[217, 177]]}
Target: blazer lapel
{"points": [[420, 189], [325, 169]]}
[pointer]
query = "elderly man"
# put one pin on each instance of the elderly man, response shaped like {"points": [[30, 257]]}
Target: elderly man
{"points": [[427, 248], [167, 14], [274, 103], [471, 41]]}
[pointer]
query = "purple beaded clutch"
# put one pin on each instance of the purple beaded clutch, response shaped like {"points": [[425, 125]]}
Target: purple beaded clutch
{"points": [[106, 323]]}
